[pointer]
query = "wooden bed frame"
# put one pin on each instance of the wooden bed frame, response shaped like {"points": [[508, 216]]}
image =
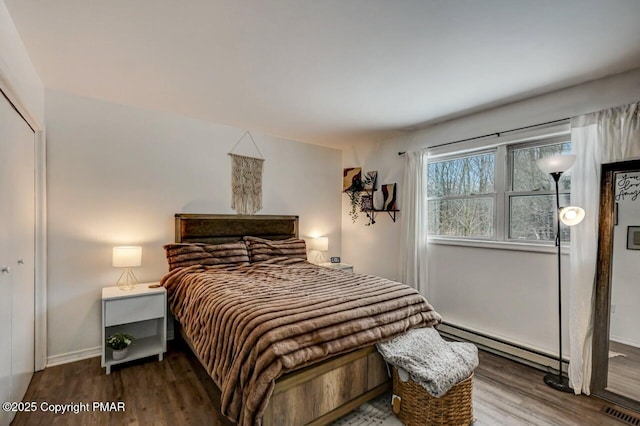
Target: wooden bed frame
{"points": [[314, 395]]}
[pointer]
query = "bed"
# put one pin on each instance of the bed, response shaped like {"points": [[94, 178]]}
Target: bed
{"points": [[297, 365]]}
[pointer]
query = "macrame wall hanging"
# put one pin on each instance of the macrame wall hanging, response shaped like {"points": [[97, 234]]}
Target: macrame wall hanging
{"points": [[246, 180]]}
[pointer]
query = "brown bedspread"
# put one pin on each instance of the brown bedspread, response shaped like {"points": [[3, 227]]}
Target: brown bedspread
{"points": [[251, 324]]}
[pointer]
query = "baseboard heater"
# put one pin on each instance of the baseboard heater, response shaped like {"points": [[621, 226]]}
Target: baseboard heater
{"points": [[534, 358]]}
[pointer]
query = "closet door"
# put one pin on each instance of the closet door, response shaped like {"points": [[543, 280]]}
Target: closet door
{"points": [[17, 256], [6, 270], [22, 257]]}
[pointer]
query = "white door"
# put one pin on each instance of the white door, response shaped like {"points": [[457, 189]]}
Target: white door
{"points": [[6, 270], [22, 257], [17, 255]]}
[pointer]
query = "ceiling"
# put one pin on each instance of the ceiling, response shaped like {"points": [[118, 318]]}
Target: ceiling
{"points": [[329, 72]]}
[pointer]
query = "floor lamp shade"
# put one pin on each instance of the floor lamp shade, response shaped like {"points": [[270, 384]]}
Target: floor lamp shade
{"points": [[556, 163], [127, 257], [571, 216]]}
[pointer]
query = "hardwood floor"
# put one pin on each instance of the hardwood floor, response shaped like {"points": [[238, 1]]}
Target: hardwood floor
{"points": [[624, 371], [177, 391]]}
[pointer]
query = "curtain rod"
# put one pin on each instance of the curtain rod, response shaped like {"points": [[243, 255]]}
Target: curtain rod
{"points": [[496, 134]]}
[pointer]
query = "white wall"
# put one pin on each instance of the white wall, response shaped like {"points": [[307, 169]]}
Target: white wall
{"points": [[625, 284], [503, 293], [17, 70], [117, 175]]}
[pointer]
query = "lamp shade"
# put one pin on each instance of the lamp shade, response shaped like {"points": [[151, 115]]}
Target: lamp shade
{"points": [[556, 163], [127, 256], [319, 243], [571, 215]]}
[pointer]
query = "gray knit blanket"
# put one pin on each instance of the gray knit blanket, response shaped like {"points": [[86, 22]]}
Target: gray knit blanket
{"points": [[435, 364]]}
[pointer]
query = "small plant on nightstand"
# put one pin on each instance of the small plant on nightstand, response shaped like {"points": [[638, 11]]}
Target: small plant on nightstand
{"points": [[119, 342]]}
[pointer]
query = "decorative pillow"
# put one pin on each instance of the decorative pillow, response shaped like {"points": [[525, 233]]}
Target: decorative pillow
{"points": [[261, 249], [181, 255]]}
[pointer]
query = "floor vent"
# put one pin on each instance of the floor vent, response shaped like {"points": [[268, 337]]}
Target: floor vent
{"points": [[623, 417]]}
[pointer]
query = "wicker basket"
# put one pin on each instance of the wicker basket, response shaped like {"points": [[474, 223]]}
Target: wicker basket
{"points": [[419, 408]]}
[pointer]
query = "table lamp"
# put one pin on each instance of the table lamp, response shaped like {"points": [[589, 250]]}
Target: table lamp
{"points": [[319, 244], [127, 257]]}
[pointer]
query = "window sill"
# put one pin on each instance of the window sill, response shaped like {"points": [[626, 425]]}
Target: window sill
{"points": [[499, 245]]}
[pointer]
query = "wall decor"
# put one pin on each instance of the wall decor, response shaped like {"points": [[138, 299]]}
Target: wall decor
{"points": [[366, 203], [389, 197], [351, 176], [370, 181], [633, 237], [361, 190], [246, 180], [353, 186], [628, 187]]}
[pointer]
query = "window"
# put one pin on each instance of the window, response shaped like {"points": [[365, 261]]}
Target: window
{"points": [[497, 194], [462, 196], [531, 196]]}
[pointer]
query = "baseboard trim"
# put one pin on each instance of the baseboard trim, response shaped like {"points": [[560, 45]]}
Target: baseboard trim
{"points": [[487, 342], [514, 351], [624, 341], [73, 356]]}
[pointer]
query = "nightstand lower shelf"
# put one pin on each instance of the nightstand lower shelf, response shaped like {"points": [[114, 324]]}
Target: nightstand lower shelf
{"points": [[141, 313], [141, 348]]}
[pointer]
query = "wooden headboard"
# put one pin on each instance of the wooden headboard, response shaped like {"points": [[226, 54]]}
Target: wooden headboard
{"points": [[221, 228]]}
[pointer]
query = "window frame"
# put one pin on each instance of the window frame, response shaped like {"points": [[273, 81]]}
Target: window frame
{"points": [[494, 194], [503, 193]]}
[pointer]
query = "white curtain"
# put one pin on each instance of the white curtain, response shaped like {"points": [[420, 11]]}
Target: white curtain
{"points": [[603, 137], [413, 237]]}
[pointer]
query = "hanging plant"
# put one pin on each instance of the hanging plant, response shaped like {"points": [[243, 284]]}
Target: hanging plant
{"points": [[355, 195], [355, 200]]}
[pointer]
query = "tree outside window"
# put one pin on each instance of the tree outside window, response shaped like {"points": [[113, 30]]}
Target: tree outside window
{"points": [[462, 196], [532, 214]]}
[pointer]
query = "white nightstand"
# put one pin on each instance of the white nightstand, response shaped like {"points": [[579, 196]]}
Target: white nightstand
{"points": [[142, 313], [342, 266]]}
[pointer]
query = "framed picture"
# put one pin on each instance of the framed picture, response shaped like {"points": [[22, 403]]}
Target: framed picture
{"points": [[633, 237], [389, 195], [370, 181], [366, 203], [349, 175]]}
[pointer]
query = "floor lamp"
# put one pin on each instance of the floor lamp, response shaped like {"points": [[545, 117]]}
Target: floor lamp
{"points": [[555, 166]]}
